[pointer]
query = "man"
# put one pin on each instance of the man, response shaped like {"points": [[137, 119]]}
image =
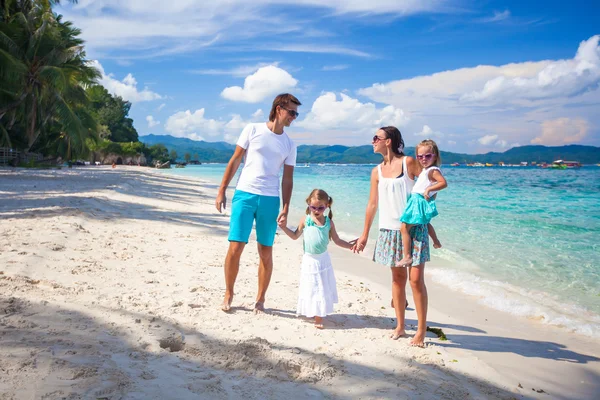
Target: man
{"points": [[267, 148]]}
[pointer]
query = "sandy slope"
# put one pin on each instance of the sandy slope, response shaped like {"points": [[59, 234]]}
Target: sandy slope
{"points": [[110, 282]]}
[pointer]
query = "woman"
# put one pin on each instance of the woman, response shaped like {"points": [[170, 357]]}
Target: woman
{"points": [[391, 184]]}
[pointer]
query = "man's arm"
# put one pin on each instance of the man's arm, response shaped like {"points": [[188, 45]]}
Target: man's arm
{"points": [[287, 184], [232, 167]]}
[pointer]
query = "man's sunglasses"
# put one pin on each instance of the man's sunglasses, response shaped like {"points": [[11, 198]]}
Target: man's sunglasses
{"points": [[377, 139], [319, 209], [425, 156], [293, 113]]}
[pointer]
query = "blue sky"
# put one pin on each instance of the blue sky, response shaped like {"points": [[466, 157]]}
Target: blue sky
{"points": [[476, 76]]}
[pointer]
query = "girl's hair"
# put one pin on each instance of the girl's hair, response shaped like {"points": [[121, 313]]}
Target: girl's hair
{"points": [[320, 195], [391, 132], [434, 148]]}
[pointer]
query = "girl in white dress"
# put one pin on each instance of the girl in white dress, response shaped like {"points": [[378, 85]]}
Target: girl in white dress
{"points": [[317, 289]]}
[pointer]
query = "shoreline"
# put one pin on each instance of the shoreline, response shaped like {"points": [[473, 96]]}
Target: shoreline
{"points": [[106, 248]]}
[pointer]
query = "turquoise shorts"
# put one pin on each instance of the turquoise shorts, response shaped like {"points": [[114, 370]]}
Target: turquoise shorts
{"points": [[247, 208]]}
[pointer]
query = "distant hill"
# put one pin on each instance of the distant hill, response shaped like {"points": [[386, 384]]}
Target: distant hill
{"points": [[220, 152]]}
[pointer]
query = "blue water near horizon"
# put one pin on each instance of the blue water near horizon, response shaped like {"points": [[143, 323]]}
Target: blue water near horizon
{"points": [[522, 240]]}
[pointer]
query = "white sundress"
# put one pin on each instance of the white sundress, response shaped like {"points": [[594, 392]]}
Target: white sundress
{"points": [[317, 292]]}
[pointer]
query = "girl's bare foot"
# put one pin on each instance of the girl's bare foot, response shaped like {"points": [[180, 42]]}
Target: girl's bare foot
{"points": [[319, 323], [259, 307], [418, 340], [398, 333], [437, 245]]}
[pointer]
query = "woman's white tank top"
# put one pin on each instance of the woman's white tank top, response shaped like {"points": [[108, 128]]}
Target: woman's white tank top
{"points": [[393, 195]]}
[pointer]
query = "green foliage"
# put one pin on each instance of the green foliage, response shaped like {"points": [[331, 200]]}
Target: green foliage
{"points": [[173, 155], [43, 104], [187, 157], [111, 112]]}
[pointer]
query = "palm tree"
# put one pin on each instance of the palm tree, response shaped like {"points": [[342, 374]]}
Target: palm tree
{"points": [[43, 76]]}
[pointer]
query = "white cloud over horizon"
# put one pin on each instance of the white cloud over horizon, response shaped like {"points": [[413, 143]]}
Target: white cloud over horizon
{"points": [[510, 101], [562, 131], [265, 82], [127, 88], [151, 121]]}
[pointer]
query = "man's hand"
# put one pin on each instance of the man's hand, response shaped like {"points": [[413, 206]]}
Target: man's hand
{"points": [[359, 244], [221, 201], [282, 219]]}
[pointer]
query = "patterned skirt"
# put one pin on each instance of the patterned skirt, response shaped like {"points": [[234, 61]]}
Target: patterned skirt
{"points": [[388, 250]]}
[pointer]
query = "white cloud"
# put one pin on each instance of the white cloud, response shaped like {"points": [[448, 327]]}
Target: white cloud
{"points": [[339, 67], [498, 16], [266, 82], [562, 78], [240, 71], [151, 121], [196, 126], [429, 133], [487, 139], [328, 112], [150, 28], [562, 131], [258, 114], [312, 48], [127, 88], [510, 101], [161, 107]]}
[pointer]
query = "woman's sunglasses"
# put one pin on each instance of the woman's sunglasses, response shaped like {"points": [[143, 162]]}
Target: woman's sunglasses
{"points": [[377, 139], [427, 156], [293, 113], [319, 209]]}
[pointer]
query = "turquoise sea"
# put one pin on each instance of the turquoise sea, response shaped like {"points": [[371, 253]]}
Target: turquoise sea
{"points": [[522, 240]]}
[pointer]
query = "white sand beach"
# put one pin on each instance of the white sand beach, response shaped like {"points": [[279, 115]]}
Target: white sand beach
{"points": [[110, 287]]}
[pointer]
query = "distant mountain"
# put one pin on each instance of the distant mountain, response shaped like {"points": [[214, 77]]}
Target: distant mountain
{"points": [[337, 154]]}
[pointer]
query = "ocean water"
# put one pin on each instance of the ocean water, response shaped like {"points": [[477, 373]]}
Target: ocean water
{"points": [[522, 240]]}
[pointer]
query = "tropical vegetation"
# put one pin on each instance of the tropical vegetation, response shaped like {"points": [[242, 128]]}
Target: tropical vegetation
{"points": [[50, 99]]}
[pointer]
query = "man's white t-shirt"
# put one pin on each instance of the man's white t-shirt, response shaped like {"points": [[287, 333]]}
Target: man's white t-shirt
{"points": [[266, 153]]}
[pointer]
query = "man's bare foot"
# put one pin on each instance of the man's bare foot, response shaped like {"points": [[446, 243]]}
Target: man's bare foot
{"points": [[259, 307], [392, 303], [418, 340], [226, 306], [407, 260], [398, 333], [437, 245], [319, 323]]}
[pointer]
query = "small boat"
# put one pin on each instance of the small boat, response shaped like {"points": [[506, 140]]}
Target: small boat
{"points": [[455, 164], [489, 165], [561, 164]]}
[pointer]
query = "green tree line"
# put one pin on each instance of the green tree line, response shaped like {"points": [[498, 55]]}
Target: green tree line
{"points": [[50, 99]]}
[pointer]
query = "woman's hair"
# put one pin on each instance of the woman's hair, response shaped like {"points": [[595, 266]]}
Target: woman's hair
{"points": [[283, 100], [391, 132], [434, 148], [320, 195]]}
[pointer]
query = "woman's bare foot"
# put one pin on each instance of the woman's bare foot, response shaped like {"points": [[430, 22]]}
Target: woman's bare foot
{"points": [[226, 306], [398, 333], [259, 307], [407, 260], [437, 244], [418, 340], [319, 323]]}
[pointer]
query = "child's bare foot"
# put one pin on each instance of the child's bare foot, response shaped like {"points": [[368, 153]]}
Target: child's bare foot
{"points": [[437, 244], [407, 260], [418, 340], [398, 333], [319, 323]]}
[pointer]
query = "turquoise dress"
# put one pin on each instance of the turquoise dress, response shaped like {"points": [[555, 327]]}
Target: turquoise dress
{"points": [[317, 291]]}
